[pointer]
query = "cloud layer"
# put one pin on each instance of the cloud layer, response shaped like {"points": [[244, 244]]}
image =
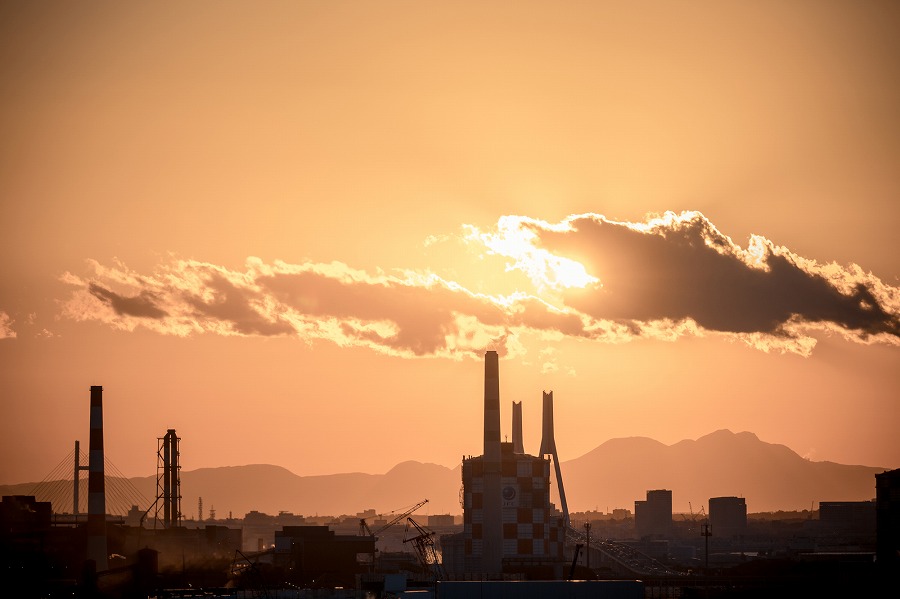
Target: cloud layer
{"points": [[416, 315], [593, 279]]}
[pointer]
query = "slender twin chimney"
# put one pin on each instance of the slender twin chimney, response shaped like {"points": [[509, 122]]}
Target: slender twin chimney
{"points": [[518, 446], [492, 552], [548, 446], [548, 442], [492, 526], [96, 522]]}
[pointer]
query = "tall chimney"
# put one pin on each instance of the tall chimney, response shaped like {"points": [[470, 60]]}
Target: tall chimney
{"points": [[96, 522], [171, 479], [492, 553], [518, 446], [548, 446], [548, 443]]}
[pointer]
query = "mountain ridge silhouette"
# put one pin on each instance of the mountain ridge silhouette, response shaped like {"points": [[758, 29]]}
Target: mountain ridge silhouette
{"points": [[613, 475]]}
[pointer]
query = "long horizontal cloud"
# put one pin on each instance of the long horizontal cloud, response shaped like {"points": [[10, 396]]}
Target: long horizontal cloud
{"points": [[594, 279], [416, 315]]}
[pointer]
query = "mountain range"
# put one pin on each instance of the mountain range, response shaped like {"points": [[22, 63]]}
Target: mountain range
{"points": [[769, 476]]}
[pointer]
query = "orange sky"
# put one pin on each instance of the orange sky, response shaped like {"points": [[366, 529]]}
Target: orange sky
{"points": [[278, 228]]}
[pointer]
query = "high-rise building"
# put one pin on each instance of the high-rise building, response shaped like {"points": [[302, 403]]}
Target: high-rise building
{"points": [[728, 516], [653, 516]]}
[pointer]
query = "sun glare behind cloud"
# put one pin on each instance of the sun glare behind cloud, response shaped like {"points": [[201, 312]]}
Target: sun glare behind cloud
{"points": [[515, 239]]}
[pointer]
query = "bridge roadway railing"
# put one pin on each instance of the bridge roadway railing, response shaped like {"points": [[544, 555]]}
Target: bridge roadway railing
{"points": [[626, 557]]}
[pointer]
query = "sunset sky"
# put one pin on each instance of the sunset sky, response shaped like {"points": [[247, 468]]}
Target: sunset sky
{"points": [[289, 230]]}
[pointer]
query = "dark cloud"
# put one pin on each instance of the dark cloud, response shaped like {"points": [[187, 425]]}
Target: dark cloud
{"points": [[141, 305], [231, 304], [423, 315], [686, 269]]}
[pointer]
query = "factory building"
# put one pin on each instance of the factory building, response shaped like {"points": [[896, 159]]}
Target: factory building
{"points": [[728, 516], [509, 523], [309, 553], [849, 518], [531, 525]]}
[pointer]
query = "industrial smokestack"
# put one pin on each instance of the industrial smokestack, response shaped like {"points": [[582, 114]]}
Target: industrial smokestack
{"points": [[96, 522], [518, 446], [492, 553], [548, 446], [167, 481], [548, 443], [491, 407], [172, 479]]}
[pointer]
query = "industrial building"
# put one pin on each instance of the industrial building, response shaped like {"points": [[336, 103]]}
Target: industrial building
{"points": [[848, 518], [509, 523], [307, 554], [887, 514], [532, 528]]}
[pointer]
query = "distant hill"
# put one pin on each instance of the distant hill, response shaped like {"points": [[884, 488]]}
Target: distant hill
{"points": [[769, 476], [271, 489], [615, 474]]}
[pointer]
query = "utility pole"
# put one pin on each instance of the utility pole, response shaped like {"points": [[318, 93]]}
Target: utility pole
{"points": [[706, 533], [587, 555]]}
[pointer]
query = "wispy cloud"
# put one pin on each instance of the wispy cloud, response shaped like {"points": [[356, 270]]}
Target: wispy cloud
{"points": [[593, 278], [6, 330]]}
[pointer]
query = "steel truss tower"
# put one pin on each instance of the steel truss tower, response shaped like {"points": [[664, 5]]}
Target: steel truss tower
{"points": [[168, 479]]}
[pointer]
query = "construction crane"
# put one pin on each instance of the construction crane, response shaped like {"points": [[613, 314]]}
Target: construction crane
{"points": [[365, 531], [700, 514], [423, 541]]}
